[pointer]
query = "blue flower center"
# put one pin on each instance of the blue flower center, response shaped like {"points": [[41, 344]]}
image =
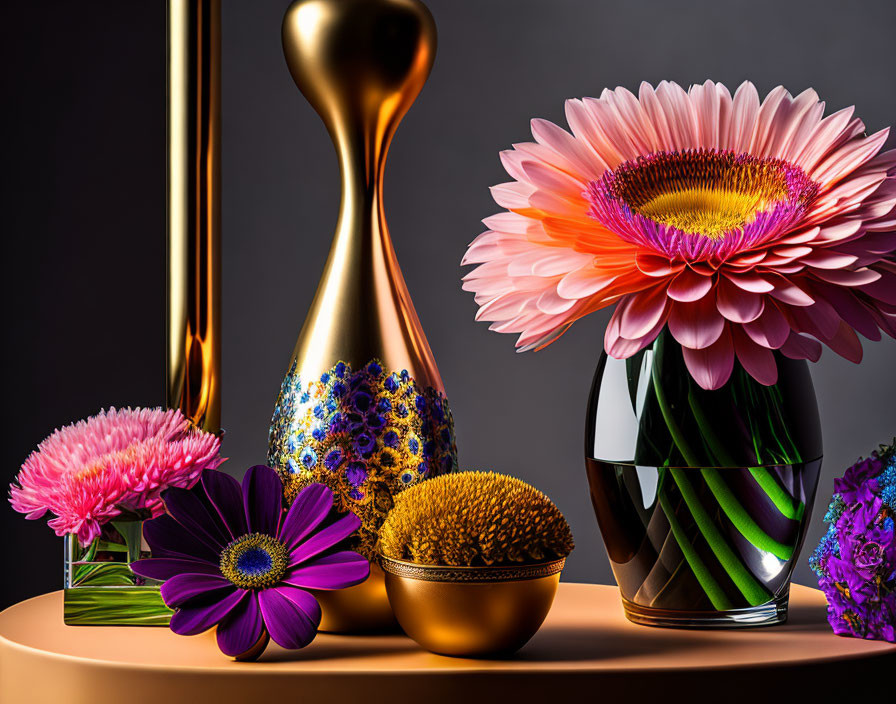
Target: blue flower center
{"points": [[254, 561]]}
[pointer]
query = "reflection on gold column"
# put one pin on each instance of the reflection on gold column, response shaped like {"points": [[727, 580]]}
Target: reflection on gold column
{"points": [[193, 306]]}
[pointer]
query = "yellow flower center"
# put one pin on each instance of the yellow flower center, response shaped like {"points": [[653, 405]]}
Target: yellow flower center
{"points": [[704, 211], [702, 192]]}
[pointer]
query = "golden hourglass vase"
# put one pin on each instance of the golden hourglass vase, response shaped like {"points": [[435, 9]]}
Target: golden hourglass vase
{"points": [[362, 407]]}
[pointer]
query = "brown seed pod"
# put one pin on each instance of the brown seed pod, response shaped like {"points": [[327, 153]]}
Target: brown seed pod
{"points": [[474, 518]]}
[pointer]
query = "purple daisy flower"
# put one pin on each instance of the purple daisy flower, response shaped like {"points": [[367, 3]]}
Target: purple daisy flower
{"points": [[230, 557]]}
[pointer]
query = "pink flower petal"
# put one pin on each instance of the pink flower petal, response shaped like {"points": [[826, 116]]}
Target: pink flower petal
{"points": [[819, 320], [788, 292], [851, 309], [794, 252], [689, 286], [884, 289], [564, 144], [696, 325], [584, 282], [757, 361], [839, 231], [801, 237], [749, 281], [711, 367], [770, 329], [828, 259], [619, 347], [638, 313], [847, 277], [745, 111], [655, 265], [512, 195], [737, 305], [846, 343], [549, 178], [551, 303], [801, 347], [849, 157]]}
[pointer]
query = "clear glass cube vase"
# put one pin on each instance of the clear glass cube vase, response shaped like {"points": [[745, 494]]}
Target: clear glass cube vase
{"points": [[100, 587]]}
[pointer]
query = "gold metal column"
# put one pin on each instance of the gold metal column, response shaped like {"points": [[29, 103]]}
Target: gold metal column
{"points": [[193, 306]]}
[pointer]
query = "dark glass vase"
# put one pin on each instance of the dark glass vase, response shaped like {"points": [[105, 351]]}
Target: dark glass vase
{"points": [[702, 497]]}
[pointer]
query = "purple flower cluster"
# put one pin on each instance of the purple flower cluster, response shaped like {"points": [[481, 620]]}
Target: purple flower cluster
{"points": [[856, 559]]}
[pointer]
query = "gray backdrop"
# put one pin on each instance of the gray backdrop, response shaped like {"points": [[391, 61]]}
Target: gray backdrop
{"points": [[500, 63], [83, 203]]}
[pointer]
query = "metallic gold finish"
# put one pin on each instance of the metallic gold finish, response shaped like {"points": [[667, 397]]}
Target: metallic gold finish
{"points": [[193, 306], [361, 63], [362, 608], [471, 611], [486, 573]]}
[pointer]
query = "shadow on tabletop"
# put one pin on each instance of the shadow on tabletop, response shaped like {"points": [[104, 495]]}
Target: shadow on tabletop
{"points": [[573, 644], [563, 644], [807, 617], [343, 647]]}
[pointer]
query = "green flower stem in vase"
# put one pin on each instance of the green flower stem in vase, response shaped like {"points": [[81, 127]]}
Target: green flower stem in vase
{"points": [[101, 589], [701, 495]]}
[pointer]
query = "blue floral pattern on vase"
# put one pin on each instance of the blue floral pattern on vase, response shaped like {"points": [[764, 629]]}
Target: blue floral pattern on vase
{"points": [[366, 433]]}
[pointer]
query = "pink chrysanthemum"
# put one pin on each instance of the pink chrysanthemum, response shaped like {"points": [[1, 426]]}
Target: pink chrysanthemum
{"points": [[119, 460], [745, 226]]}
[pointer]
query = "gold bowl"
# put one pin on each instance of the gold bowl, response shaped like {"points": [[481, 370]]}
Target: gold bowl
{"points": [[471, 611], [358, 609]]}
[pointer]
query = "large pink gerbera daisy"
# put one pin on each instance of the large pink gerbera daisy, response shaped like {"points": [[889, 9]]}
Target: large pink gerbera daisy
{"points": [[745, 226], [117, 461]]}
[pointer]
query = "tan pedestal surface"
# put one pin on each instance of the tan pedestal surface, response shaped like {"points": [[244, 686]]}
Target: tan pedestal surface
{"points": [[586, 651]]}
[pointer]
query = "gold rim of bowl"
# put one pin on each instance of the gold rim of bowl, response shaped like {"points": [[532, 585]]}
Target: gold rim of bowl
{"points": [[485, 573]]}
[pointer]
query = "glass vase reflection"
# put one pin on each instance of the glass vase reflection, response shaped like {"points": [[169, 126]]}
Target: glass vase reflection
{"points": [[101, 589], [702, 497]]}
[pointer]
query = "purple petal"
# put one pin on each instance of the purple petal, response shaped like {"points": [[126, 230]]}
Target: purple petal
{"points": [[168, 538], [163, 568], [305, 601], [241, 629], [336, 571], [288, 624], [182, 587], [225, 495], [191, 620], [325, 539], [193, 514], [310, 507], [263, 499]]}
